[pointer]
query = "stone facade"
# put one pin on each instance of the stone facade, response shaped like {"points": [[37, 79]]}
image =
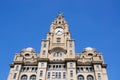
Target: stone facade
{"points": [[57, 59]]}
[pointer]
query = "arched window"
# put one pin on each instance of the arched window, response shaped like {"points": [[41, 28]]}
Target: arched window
{"points": [[90, 77], [90, 54], [80, 77], [33, 77], [27, 54], [24, 77]]}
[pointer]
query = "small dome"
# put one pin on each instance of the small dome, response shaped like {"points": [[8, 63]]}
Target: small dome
{"points": [[89, 48], [29, 49]]}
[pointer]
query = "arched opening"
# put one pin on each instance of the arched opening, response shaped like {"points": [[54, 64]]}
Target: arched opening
{"points": [[33, 77], [80, 77], [89, 77], [27, 54], [90, 54], [24, 77]]}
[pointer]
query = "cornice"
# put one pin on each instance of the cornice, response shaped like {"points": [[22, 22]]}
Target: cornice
{"points": [[70, 59], [42, 59]]}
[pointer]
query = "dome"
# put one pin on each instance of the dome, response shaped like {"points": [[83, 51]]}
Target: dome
{"points": [[29, 49], [89, 48]]}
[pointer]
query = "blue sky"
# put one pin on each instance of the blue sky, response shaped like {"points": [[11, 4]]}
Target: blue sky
{"points": [[95, 23]]}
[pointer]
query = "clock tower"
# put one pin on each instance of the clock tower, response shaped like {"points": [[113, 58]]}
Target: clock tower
{"points": [[58, 40]]}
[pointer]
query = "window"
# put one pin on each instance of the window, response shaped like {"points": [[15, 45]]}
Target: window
{"points": [[56, 75], [90, 69], [42, 65], [64, 66], [87, 69], [48, 75], [64, 75], [24, 77], [27, 54], [80, 77], [33, 69], [81, 69], [71, 73], [71, 65], [78, 69], [90, 54], [58, 54], [100, 58], [97, 67], [24, 69], [55, 54], [59, 22], [53, 75], [33, 77], [70, 45], [58, 39], [36, 69], [70, 52], [59, 74], [41, 73], [57, 67], [49, 67], [44, 52], [17, 67], [89, 77], [27, 69], [99, 76], [15, 74], [44, 45], [53, 67]]}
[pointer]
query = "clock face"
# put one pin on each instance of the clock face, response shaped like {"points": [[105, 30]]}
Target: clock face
{"points": [[59, 31]]}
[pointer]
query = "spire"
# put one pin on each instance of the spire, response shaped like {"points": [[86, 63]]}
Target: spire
{"points": [[60, 13], [59, 19]]}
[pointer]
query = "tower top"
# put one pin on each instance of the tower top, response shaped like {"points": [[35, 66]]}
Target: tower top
{"points": [[60, 13]]}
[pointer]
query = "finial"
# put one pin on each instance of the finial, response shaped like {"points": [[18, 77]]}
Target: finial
{"points": [[60, 13]]}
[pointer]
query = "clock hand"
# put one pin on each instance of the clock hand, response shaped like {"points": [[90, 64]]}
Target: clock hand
{"points": [[58, 31]]}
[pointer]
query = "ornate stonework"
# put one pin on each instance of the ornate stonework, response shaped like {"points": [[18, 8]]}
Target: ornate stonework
{"points": [[57, 59]]}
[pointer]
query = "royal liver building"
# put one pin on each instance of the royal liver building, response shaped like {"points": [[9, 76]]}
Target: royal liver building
{"points": [[57, 59]]}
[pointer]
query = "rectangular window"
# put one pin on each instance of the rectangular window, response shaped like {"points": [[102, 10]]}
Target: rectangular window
{"points": [[99, 76], [44, 45], [44, 52], [53, 75], [15, 74], [97, 67], [41, 73], [71, 65], [56, 75], [70, 45], [17, 68], [59, 75], [71, 73], [64, 75], [48, 75], [42, 65], [70, 52]]}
